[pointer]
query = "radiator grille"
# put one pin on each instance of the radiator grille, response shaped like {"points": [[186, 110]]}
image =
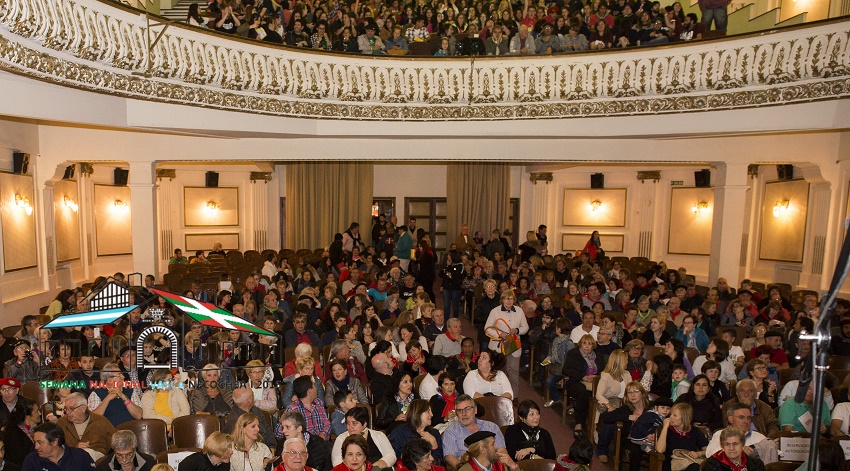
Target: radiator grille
{"points": [[818, 254], [744, 238], [645, 244]]}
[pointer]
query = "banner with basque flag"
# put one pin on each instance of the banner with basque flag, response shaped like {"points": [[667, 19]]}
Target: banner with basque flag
{"points": [[210, 315]]}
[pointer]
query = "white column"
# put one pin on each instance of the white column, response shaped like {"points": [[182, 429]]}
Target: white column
{"points": [[166, 202], [730, 192], [259, 195], [142, 183]]}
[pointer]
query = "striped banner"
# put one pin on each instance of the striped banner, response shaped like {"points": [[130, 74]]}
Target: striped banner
{"points": [[88, 318]]}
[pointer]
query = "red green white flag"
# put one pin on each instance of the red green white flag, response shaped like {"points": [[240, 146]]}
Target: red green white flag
{"points": [[210, 315]]}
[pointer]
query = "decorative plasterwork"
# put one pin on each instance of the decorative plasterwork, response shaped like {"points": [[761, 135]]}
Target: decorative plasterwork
{"points": [[168, 173], [653, 175], [98, 46], [264, 177], [541, 177]]}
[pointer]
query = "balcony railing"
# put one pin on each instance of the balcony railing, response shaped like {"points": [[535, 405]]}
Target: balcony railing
{"points": [[104, 47]]}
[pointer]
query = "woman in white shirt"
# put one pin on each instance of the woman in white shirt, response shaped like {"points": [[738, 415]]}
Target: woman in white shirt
{"points": [[488, 379], [249, 451], [408, 332], [517, 324]]}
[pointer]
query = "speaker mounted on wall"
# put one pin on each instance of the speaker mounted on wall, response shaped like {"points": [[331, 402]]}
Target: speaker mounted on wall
{"points": [[597, 181], [785, 172], [69, 172], [120, 176], [702, 178], [20, 163], [212, 180]]}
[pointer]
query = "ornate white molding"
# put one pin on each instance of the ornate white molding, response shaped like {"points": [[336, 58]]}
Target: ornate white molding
{"points": [[99, 46]]}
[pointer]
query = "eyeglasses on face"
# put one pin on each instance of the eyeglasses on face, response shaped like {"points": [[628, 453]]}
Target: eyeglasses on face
{"points": [[465, 410], [296, 453]]}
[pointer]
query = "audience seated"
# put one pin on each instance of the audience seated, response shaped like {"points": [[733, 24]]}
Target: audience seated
{"points": [[124, 444]]}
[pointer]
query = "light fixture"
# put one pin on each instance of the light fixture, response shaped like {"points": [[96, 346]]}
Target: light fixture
{"points": [[595, 205], [212, 206], [121, 206], [69, 203], [781, 208], [700, 207], [24, 203]]}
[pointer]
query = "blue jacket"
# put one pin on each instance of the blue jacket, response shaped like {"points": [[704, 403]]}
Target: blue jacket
{"points": [[700, 337], [74, 459]]}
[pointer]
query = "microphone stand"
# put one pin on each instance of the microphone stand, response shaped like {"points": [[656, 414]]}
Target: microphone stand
{"points": [[812, 371]]}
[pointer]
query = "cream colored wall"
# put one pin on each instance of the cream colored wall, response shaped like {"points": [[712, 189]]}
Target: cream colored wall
{"points": [[67, 221]]}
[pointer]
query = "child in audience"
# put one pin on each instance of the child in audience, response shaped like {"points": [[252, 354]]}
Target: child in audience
{"points": [[642, 435], [736, 353], [557, 352], [344, 401], [711, 370], [680, 383]]}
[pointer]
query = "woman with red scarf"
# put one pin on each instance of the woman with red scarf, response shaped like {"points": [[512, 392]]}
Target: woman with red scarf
{"points": [[354, 455], [443, 403], [731, 456]]}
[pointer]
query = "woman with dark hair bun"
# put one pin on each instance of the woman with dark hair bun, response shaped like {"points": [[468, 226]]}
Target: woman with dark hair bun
{"points": [[417, 457], [526, 439]]}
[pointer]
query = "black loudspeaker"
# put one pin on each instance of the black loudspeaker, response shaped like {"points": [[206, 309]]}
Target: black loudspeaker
{"points": [[212, 179], [785, 172], [597, 180], [69, 172], [20, 163], [702, 178], [121, 176]]}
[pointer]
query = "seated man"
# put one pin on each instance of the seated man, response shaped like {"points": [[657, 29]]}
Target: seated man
{"points": [[383, 375], [292, 426], [761, 414], [756, 444], [483, 454], [124, 454], [243, 401], [294, 456], [84, 429], [307, 403], [300, 333], [467, 424], [449, 343], [116, 404], [10, 391], [792, 414], [51, 452]]}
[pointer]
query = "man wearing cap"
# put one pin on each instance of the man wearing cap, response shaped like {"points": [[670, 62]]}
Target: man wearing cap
{"points": [[369, 43], [9, 389], [482, 454], [773, 339], [24, 367], [455, 435]]}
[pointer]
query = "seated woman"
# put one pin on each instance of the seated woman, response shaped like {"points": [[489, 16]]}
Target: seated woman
{"points": [[260, 383], [62, 363], [703, 402], [655, 334], [354, 455], [17, 436], [691, 335], [612, 382], [711, 370], [488, 379], [678, 434], [731, 456], [249, 451], [581, 366], [384, 333], [165, 404], [380, 451], [340, 380], [636, 363], [525, 439], [636, 404], [756, 338], [418, 427], [416, 456], [218, 448], [209, 398], [416, 357], [341, 350], [766, 391], [392, 412], [443, 403], [718, 350], [675, 349], [407, 333], [305, 366]]}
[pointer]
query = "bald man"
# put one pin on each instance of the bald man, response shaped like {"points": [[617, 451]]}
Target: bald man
{"points": [[380, 382], [243, 402]]}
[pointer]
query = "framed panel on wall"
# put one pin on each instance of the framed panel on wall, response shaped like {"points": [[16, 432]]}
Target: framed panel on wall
{"points": [[574, 242], [66, 220], [17, 216], [112, 224], [228, 241], [204, 207], [691, 218], [784, 218], [594, 207]]}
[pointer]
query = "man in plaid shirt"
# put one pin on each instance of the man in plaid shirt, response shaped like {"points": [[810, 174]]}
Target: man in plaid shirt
{"points": [[418, 31], [307, 403]]}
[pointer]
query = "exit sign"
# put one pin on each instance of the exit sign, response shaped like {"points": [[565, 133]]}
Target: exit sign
{"points": [[677, 183]]}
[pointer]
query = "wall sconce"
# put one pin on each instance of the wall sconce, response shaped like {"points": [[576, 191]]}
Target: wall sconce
{"points": [[70, 204], [122, 206], [212, 206], [700, 207], [780, 208], [24, 203], [594, 205]]}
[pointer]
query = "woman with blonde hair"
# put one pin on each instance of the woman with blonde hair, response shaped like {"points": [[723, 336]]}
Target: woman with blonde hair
{"points": [[218, 448], [613, 382], [635, 403], [678, 433], [304, 366], [249, 451]]}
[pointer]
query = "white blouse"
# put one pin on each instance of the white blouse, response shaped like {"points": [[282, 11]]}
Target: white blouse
{"points": [[254, 459], [474, 383]]}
